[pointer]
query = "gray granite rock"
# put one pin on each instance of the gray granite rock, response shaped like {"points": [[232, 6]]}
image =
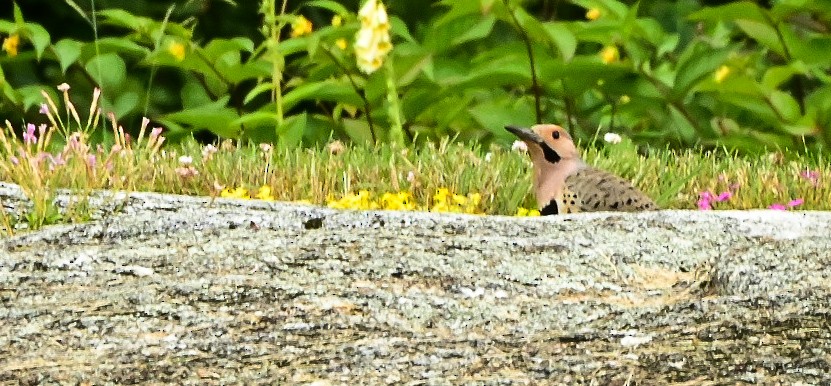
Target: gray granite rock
{"points": [[172, 289]]}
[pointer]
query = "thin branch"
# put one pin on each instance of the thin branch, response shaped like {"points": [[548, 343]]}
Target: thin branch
{"points": [[348, 73], [534, 82]]}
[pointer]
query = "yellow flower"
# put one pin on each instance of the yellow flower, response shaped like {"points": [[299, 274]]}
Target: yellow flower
{"points": [[523, 212], [301, 26], [397, 201], [354, 201], [264, 193], [609, 54], [593, 14], [11, 44], [341, 43], [337, 21], [177, 50], [235, 193], [722, 73], [372, 43]]}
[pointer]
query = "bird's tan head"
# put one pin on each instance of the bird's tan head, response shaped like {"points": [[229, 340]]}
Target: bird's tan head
{"points": [[551, 142]]}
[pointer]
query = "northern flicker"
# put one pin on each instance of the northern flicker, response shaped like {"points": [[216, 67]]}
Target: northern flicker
{"points": [[563, 183]]}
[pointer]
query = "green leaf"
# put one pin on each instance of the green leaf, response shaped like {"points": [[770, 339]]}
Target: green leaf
{"points": [[358, 130], [399, 28], [122, 18], [257, 118], [776, 75], [80, 11], [615, 9], [328, 90], [333, 6], [785, 105], [699, 62], [410, 61], [256, 91], [494, 114], [756, 106], [121, 46], [39, 36], [481, 29], [762, 33], [108, 70], [193, 94], [741, 10], [212, 116], [683, 127], [125, 103], [18, 15], [217, 48], [30, 96], [292, 130], [560, 36], [67, 51]]}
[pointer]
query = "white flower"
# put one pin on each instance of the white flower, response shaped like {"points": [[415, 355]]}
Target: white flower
{"points": [[612, 138], [208, 151], [410, 176], [265, 147], [488, 157], [185, 160], [519, 146], [372, 43]]}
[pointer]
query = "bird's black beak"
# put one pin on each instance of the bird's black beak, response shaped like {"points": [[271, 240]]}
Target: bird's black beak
{"points": [[525, 134], [531, 137]]}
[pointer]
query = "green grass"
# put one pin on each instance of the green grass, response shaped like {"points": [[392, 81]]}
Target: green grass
{"points": [[43, 161]]}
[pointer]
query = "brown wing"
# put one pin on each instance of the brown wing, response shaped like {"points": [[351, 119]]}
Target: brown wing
{"points": [[599, 190]]}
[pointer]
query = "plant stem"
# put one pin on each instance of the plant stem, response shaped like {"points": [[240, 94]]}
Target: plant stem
{"points": [[534, 82], [367, 106], [396, 134]]}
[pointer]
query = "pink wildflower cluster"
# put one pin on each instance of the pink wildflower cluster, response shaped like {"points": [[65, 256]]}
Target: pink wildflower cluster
{"points": [[812, 176], [790, 205], [707, 198]]}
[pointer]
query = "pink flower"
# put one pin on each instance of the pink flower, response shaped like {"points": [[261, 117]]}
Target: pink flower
{"points": [[812, 176], [91, 160], [724, 196], [705, 200], [29, 136], [208, 151], [44, 109], [187, 171], [790, 205]]}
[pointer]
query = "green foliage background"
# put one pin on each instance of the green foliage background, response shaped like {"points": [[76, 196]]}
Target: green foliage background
{"points": [[462, 68]]}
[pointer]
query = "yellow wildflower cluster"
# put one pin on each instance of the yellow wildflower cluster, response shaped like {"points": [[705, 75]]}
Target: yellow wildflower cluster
{"points": [[445, 201], [263, 193], [360, 201], [301, 26], [373, 43], [523, 212], [11, 44], [337, 21]]}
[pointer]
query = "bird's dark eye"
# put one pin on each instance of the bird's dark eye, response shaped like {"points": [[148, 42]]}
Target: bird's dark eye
{"points": [[556, 135]]}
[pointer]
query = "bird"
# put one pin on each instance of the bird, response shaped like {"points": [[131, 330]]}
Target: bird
{"points": [[563, 183]]}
